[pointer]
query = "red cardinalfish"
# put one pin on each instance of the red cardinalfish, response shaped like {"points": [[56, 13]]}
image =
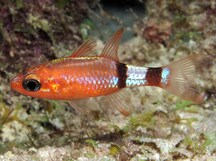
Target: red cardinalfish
{"points": [[81, 76]]}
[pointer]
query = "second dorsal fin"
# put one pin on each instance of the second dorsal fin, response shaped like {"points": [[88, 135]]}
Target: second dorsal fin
{"points": [[87, 48], [111, 47]]}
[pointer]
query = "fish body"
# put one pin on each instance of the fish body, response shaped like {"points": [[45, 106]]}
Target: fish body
{"points": [[75, 78], [81, 76]]}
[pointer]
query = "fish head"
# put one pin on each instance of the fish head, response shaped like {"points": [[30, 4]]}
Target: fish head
{"points": [[32, 82]]}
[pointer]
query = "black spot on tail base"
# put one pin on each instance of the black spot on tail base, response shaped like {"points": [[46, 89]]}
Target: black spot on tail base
{"points": [[122, 74], [153, 76]]}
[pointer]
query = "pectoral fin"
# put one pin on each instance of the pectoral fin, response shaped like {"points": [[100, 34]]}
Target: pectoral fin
{"points": [[84, 106]]}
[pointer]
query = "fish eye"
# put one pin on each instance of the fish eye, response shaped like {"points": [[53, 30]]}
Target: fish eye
{"points": [[31, 85]]}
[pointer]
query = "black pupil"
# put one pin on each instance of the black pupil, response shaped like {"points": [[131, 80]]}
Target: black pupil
{"points": [[31, 85]]}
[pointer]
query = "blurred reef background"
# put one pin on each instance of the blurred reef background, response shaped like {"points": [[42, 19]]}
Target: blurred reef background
{"points": [[162, 127]]}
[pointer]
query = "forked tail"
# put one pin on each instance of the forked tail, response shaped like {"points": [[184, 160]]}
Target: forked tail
{"points": [[179, 77]]}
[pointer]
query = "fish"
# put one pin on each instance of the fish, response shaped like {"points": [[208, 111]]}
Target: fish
{"points": [[82, 75]]}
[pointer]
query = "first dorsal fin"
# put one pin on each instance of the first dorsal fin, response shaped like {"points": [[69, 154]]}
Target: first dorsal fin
{"points": [[111, 47], [88, 47]]}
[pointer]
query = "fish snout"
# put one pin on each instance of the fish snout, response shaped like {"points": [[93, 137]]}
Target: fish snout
{"points": [[16, 83]]}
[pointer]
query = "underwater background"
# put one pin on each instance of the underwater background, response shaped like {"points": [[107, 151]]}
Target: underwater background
{"points": [[161, 127]]}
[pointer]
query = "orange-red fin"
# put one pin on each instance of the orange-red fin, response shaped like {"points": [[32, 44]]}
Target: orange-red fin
{"points": [[87, 48], [111, 47], [117, 101]]}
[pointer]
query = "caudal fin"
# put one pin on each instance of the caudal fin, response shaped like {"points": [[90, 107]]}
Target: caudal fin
{"points": [[179, 77]]}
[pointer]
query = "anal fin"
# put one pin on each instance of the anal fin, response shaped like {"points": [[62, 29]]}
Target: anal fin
{"points": [[118, 101]]}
